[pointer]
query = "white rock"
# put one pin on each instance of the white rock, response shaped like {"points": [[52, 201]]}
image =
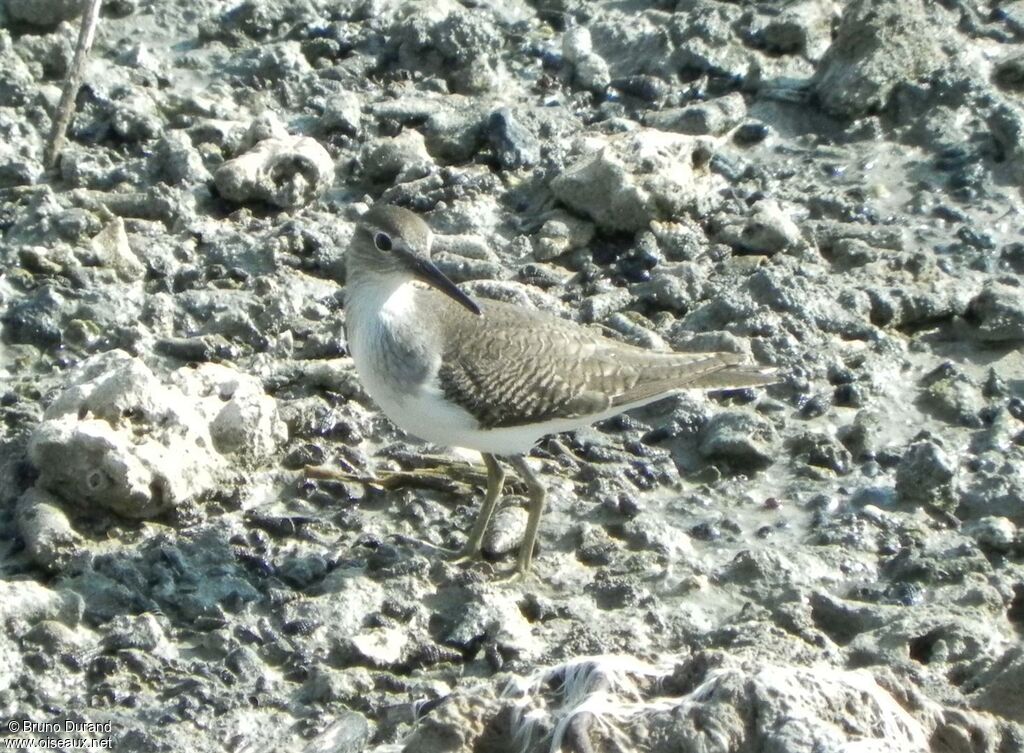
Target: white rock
{"points": [[49, 536], [243, 418], [590, 69], [112, 247], [88, 463], [769, 229], [382, 647], [626, 181], [287, 172], [398, 159], [122, 440]]}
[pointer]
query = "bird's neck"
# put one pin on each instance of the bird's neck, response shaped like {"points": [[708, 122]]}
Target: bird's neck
{"points": [[380, 299], [392, 343]]}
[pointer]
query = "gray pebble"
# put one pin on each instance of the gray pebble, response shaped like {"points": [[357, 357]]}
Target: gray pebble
{"points": [[49, 536], [711, 118], [399, 159], [925, 476], [995, 533], [598, 307], [342, 114], [740, 439], [877, 48], [505, 533], [997, 313], [514, 145], [951, 395], [455, 135]]}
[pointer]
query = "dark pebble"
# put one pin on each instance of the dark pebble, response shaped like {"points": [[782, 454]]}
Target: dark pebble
{"points": [[749, 134]]}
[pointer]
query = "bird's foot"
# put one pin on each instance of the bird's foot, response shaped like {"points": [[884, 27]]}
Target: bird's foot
{"points": [[512, 577], [468, 553]]}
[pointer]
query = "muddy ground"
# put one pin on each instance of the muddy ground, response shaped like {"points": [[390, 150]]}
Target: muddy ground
{"points": [[831, 563]]}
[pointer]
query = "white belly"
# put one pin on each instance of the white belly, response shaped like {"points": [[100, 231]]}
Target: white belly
{"points": [[427, 415]]}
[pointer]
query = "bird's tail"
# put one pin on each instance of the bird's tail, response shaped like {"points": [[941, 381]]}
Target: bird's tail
{"points": [[669, 372], [736, 376]]}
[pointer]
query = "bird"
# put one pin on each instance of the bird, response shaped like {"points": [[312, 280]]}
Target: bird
{"points": [[492, 376]]}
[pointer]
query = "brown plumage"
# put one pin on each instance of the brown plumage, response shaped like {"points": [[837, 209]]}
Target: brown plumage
{"points": [[515, 366]]}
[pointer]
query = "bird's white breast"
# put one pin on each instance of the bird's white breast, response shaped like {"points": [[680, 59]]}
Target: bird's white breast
{"points": [[376, 312]]}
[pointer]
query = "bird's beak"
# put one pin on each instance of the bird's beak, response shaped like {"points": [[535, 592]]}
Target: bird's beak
{"points": [[427, 271]]}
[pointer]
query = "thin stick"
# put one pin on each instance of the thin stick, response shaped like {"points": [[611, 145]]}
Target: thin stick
{"points": [[86, 35]]}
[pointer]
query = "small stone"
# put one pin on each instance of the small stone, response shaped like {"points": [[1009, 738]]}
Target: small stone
{"points": [[861, 437], [499, 620], [597, 308], [590, 70], [1009, 73], [135, 116], [398, 160], [455, 134], [993, 532], [562, 232], [342, 114], [952, 396], [383, 647], [18, 171], [513, 144], [815, 407], [113, 250], [995, 386], [924, 476], [878, 46], [177, 161], [711, 118], [642, 86], [739, 439], [997, 313], [800, 28], [505, 533], [272, 61], [750, 134], [626, 181], [769, 230], [820, 451], [247, 423], [142, 632], [853, 252], [49, 537], [286, 172]]}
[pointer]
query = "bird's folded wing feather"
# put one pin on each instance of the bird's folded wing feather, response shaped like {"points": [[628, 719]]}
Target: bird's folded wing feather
{"points": [[507, 372]]}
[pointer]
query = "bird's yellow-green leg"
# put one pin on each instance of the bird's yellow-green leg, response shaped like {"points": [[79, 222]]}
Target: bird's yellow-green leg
{"points": [[495, 482], [537, 496]]}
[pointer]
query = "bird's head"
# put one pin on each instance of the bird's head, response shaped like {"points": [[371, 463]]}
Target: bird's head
{"points": [[393, 242]]}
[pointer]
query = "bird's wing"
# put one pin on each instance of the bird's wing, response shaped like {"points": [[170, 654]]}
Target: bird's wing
{"points": [[514, 366]]}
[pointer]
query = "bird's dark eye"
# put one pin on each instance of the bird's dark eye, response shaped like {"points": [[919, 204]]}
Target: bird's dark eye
{"points": [[382, 241]]}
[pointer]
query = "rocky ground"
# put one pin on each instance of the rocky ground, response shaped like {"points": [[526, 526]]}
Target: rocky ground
{"points": [[834, 563]]}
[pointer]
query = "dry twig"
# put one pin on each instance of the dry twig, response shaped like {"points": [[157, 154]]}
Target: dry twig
{"points": [[66, 108]]}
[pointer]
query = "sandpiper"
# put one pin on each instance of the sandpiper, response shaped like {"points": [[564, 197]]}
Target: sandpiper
{"points": [[488, 375]]}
